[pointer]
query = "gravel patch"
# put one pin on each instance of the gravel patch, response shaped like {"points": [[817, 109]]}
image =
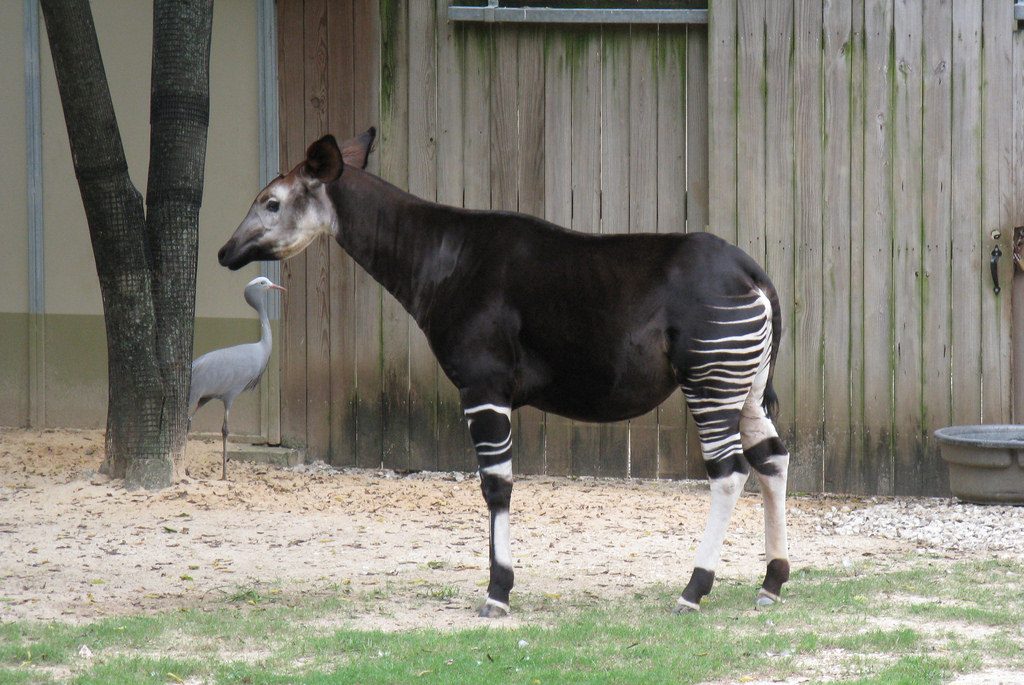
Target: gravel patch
{"points": [[941, 524]]}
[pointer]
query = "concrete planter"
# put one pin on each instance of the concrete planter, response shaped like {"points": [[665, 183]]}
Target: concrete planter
{"points": [[986, 463]]}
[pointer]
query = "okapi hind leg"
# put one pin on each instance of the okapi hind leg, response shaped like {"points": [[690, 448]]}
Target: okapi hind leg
{"points": [[770, 461], [490, 426], [728, 476]]}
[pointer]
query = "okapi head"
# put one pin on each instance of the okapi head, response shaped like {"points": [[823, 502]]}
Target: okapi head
{"points": [[294, 208]]}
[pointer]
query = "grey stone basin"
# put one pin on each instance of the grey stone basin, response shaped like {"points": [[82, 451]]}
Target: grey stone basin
{"points": [[986, 462]]}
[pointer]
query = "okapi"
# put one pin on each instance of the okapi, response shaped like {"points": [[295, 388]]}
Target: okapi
{"points": [[519, 311]]}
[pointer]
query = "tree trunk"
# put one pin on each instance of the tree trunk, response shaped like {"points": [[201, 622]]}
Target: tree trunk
{"points": [[146, 269], [179, 120]]}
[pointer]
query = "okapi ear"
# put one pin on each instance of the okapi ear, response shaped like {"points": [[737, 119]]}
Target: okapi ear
{"points": [[323, 160], [355, 151]]}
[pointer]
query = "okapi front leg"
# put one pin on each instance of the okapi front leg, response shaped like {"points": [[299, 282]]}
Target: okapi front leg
{"points": [[491, 429]]}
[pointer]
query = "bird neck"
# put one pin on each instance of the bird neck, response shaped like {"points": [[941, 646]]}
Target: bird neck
{"points": [[265, 336]]}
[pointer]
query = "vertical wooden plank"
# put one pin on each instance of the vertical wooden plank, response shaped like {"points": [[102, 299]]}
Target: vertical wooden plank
{"points": [[722, 133], [293, 271], [342, 329], [476, 118], [836, 244], [504, 162], [1017, 297], [671, 205], [477, 114], [530, 421], [750, 129], [697, 128], [936, 236], [965, 185], [586, 200], [696, 194], [779, 173], [394, 166], [454, 448], [907, 216], [422, 107], [367, 296], [504, 120], [318, 340], [997, 204], [643, 206], [614, 193], [557, 201], [858, 475], [806, 466], [877, 271]]}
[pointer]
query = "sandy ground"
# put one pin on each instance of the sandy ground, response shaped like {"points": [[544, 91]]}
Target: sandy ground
{"points": [[75, 546]]}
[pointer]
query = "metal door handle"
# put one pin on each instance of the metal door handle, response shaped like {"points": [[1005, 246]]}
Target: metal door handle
{"points": [[994, 265]]}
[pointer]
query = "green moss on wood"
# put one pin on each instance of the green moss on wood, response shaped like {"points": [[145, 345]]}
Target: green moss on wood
{"points": [[390, 16]]}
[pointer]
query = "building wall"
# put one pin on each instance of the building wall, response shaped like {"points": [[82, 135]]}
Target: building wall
{"points": [[74, 344], [14, 360]]}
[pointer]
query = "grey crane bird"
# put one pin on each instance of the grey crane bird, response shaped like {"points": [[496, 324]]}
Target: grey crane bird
{"points": [[226, 373]]}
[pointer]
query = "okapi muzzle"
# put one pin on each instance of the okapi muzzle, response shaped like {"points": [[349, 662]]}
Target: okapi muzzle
{"points": [[293, 209]]}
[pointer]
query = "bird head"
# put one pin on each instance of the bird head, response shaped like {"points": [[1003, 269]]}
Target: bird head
{"points": [[255, 289]]}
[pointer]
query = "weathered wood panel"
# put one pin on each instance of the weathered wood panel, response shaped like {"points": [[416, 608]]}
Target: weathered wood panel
{"points": [[586, 204], [965, 187], [863, 151], [613, 438], [876, 277], [997, 202], [343, 339], [317, 271], [293, 272], [779, 215], [902, 164], [672, 183], [936, 258], [557, 206], [394, 167], [422, 106], [531, 422], [642, 164], [367, 309], [806, 466], [837, 51]]}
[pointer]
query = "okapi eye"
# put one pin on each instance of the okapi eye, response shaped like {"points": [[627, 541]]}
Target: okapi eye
{"points": [[273, 205]]}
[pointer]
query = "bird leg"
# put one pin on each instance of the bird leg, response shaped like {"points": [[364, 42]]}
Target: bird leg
{"points": [[224, 453]]}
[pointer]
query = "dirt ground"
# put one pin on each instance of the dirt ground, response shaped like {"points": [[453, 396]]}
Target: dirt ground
{"points": [[75, 546]]}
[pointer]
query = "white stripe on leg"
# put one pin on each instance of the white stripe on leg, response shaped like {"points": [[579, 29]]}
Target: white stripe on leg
{"points": [[501, 539], [724, 493]]}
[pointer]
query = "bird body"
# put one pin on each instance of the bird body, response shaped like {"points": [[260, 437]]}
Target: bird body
{"points": [[226, 373]]}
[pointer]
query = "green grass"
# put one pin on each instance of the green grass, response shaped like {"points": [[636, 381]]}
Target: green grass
{"points": [[920, 625]]}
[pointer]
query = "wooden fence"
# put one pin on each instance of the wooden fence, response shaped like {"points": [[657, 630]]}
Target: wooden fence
{"points": [[866, 151], [602, 129], [863, 150]]}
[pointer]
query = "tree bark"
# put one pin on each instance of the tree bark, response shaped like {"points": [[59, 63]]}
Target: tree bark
{"points": [[179, 121], [146, 267]]}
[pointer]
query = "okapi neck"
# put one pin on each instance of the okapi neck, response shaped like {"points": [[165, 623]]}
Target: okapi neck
{"points": [[390, 233]]}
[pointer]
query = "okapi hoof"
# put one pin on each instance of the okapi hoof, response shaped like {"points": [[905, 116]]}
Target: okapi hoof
{"points": [[685, 607], [765, 599], [494, 609]]}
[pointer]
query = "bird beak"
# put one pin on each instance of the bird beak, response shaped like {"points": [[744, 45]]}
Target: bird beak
{"points": [[274, 286]]}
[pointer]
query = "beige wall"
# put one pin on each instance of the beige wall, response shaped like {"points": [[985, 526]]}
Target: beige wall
{"points": [[232, 162], [14, 256], [75, 349]]}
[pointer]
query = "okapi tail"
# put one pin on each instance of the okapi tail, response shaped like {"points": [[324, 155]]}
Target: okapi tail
{"points": [[771, 400]]}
